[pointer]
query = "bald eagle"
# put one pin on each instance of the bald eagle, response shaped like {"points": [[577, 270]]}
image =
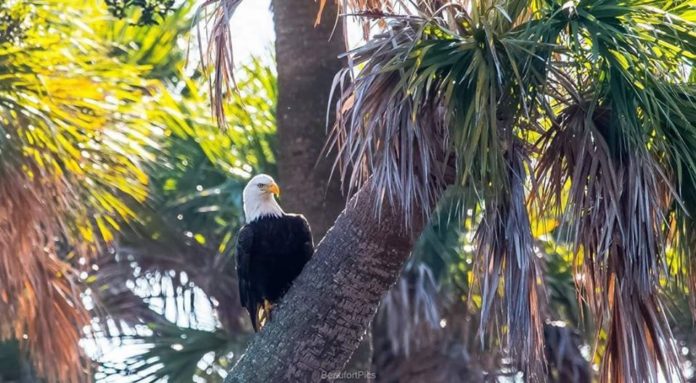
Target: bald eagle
{"points": [[272, 249]]}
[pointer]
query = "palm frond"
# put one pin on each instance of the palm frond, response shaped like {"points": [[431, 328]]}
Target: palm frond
{"points": [[213, 26], [566, 363], [609, 146], [380, 127], [416, 102], [74, 138], [411, 304], [156, 47], [174, 353], [604, 85], [38, 294], [621, 254]]}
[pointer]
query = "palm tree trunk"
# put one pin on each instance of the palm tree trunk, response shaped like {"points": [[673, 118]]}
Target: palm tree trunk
{"points": [[318, 326], [307, 59]]}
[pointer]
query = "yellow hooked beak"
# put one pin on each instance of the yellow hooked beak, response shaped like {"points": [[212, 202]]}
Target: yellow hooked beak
{"points": [[273, 188]]}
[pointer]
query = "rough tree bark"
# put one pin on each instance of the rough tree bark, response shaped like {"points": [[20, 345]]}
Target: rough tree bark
{"points": [[320, 322], [307, 62]]}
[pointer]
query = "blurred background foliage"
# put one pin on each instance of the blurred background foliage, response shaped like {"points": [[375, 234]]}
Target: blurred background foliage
{"points": [[134, 195], [128, 196]]}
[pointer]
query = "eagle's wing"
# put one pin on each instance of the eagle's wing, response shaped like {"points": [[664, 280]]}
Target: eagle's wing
{"points": [[304, 233], [247, 296]]}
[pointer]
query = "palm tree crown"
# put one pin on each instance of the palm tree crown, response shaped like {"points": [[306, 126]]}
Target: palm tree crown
{"points": [[581, 111]]}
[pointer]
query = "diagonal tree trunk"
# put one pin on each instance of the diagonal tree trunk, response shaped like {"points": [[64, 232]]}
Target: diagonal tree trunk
{"points": [[307, 59], [317, 327]]}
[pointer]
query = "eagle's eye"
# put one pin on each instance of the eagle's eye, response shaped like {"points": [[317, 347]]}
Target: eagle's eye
{"points": [[260, 186]]}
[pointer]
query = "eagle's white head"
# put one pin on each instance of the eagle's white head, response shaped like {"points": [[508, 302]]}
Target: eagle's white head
{"points": [[258, 198]]}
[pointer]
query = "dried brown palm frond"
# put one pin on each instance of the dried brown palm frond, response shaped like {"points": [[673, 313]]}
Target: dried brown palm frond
{"points": [[212, 20], [506, 259], [367, 5], [367, 10], [399, 139], [456, 13], [615, 217], [40, 301], [376, 9]]}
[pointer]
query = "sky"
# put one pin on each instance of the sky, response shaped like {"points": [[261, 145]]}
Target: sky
{"points": [[253, 33], [252, 30]]}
